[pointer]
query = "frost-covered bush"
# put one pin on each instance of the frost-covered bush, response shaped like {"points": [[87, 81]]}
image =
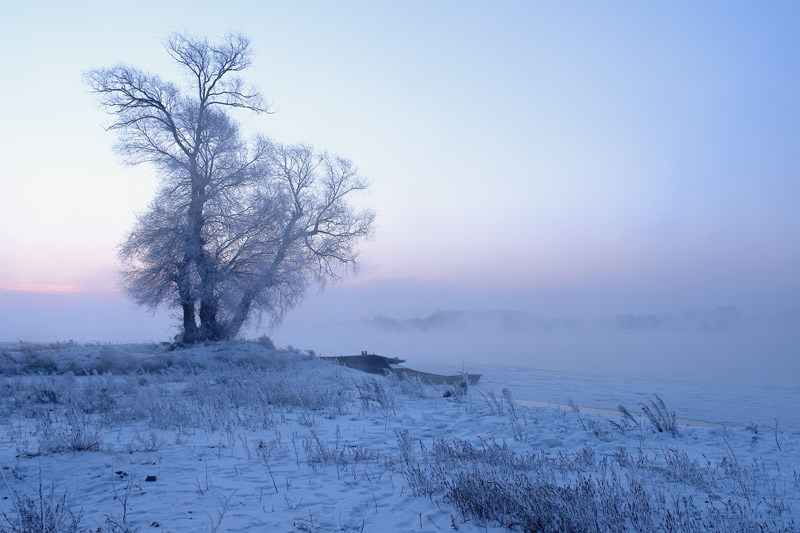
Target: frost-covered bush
{"points": [[266, 342], [373, 394], [411, 386], [662, 420], [46, 512], [60, 357], [38, 362], [537, 491], [74, 434], [216, 388], [113, 361]]}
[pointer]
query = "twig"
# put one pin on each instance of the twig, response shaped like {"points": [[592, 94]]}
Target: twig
{"points": [[577, 412]]}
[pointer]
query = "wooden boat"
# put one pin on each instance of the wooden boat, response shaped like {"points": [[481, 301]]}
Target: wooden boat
{"points": [[378, 364], [371, 363]]}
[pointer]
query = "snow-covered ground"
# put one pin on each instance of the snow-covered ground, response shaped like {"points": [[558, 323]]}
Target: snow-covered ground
{"points": [[238, 437]]}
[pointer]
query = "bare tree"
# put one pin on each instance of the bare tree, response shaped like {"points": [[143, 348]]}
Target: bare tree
{"points": [[298, 228], [221, 240]]}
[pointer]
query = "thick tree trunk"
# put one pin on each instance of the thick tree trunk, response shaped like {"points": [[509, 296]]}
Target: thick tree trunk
{"points": [[190, 332], [209, 327]]}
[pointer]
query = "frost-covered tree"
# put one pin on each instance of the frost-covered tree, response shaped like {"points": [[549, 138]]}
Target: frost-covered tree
{"points": [[292, 227], [237, 229]]}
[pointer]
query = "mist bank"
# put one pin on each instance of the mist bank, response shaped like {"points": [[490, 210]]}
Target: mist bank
{"points": [[719, 344], [82, 317], [719, 319]]}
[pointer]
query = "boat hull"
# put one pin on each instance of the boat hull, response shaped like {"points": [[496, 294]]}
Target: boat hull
{"points": [[378, 364]]}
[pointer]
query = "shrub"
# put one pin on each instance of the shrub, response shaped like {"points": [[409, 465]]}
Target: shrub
{"points": [[76, 436], [266, 342], [372, 393], [44, 513], [663, 421]]}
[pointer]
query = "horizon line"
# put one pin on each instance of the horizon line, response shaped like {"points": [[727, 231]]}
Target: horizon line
{"points": [[56, 288]]}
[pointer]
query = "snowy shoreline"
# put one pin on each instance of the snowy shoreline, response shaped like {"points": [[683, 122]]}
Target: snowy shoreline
{"points": [[237, 437], [699, 402]]}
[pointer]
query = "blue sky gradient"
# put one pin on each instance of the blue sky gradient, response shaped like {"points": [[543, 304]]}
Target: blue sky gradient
{"points": [[564, 158]]}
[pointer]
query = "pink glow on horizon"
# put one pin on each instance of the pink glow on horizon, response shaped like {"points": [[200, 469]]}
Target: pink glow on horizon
{"points": [[48, 288]]}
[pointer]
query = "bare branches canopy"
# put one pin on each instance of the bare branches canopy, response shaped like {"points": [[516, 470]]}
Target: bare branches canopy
{"points": [[238, 229]]}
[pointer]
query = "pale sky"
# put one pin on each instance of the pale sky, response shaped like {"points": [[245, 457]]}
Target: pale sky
{"points": [[560, 157]]}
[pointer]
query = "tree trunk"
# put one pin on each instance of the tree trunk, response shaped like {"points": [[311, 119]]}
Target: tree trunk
{"points": [[187, 301], [209, 327], [190, 332]]}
